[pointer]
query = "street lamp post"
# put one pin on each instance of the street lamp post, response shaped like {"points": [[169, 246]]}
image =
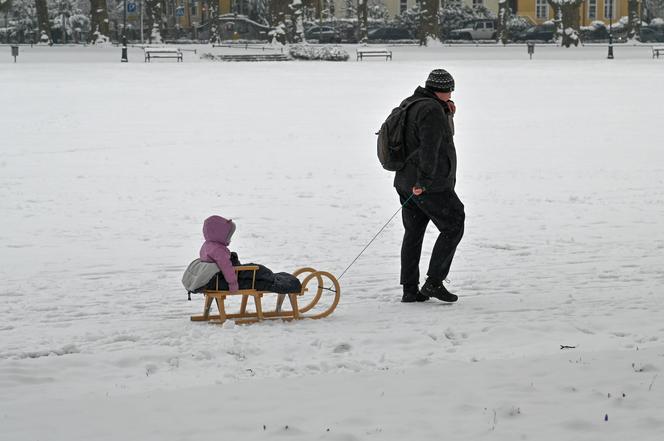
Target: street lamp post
{"points": [[610, 56]]}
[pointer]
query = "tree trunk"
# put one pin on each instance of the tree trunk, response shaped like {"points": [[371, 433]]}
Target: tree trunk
{"points": [[155, 12], [297, 13], [634, 14], [98, 19], [362, 20], [503, 15], [280, 12], [430, 26], [43, 25], [567, 14]]}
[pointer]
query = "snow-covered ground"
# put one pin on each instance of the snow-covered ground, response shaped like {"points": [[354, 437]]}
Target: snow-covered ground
{"points": [[107, 171]]}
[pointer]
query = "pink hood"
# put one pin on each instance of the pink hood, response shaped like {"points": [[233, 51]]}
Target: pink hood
{"points": [[218, 229], [218, 232]]}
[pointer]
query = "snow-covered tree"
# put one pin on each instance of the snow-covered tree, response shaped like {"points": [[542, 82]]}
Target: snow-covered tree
{"points": [[362, 20], [503, 18], [214, 28], [654, 8], [429, 24], [67, 19], [99, 21], [378, 11], [278, 34], [5, 6], [518, 23], [634, 25], [43, 23], [280, 18], [24, 19], [155, 13], [260, 12], [351, 9], [410, 19], [455, 17], [296, 8], [79, 23], [568, 20]]}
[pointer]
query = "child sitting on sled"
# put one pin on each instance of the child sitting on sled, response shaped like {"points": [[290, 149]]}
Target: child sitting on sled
{"points": [[218, 232], [201, 275]]}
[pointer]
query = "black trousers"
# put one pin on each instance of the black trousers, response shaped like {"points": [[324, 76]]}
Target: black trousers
{"points": [[446, 212]]}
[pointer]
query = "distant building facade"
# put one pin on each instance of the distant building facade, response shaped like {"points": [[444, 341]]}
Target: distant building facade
{"points": [[191, 13], [606, 11]]}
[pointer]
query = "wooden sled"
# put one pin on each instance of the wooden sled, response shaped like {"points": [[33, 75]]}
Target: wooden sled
{"points": [[326, 284]]}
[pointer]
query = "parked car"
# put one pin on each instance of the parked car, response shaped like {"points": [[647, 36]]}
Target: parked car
{"points": [[234, 27], [595, 32], [650, 35], [323, 34], [543, 32], [475, 30], [389, 34]]}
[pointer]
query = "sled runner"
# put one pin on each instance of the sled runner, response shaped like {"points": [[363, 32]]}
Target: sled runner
{"points": [[316, 285]]}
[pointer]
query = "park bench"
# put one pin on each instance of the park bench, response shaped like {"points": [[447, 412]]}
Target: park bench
{"points": [[657, 50], [162, 52], [296, 311], [373, 52]]}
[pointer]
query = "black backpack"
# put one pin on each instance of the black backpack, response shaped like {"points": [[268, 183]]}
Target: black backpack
{"points": [[391, 140]]}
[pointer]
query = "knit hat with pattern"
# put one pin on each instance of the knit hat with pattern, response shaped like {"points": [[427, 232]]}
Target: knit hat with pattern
{"points": [[440, 81]]}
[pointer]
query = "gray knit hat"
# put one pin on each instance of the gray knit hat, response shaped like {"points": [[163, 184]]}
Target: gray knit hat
{"points": [[440, 80]]}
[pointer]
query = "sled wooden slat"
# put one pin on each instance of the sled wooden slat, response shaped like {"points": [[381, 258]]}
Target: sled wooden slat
{"points": [[295, 312]]}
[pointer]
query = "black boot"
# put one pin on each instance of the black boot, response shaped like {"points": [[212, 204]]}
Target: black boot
{"points": [[433, 288], [412, 294]]}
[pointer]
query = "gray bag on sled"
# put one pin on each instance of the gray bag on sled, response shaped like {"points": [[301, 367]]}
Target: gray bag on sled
{"points": [[198, 274]]}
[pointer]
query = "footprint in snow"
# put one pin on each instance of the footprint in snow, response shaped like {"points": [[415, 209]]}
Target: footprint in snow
{"points": [[341, 348]]}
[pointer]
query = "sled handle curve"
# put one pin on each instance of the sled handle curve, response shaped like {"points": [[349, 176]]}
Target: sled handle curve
{"points": [[319, 275]]}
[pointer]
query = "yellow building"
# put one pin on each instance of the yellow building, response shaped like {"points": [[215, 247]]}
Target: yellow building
{"points": [[540, 11], [192, 13]]}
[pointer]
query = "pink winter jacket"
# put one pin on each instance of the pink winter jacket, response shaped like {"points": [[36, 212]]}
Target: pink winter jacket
{"points": [[218, 232]]}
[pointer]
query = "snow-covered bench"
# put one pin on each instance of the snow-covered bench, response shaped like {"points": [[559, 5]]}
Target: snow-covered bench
{"points": [[657, 50], [162, 52], [373, 52]]}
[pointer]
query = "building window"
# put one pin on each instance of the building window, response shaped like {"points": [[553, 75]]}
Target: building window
{"points": [[193, 8], [477, 3], [609, 8], [542, 9], [592, 9], [403, 6]]}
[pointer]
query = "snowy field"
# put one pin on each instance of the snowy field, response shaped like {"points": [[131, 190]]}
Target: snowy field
{"points": [[107, 171]]}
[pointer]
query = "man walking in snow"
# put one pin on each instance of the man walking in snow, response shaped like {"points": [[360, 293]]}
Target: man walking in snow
{"points": [[426, 188]]}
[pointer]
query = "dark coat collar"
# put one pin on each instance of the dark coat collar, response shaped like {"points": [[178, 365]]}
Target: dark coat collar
{"points": [[421, 92]]}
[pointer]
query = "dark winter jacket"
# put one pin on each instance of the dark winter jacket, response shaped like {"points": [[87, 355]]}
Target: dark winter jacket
{"points": [[429, 128]]}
